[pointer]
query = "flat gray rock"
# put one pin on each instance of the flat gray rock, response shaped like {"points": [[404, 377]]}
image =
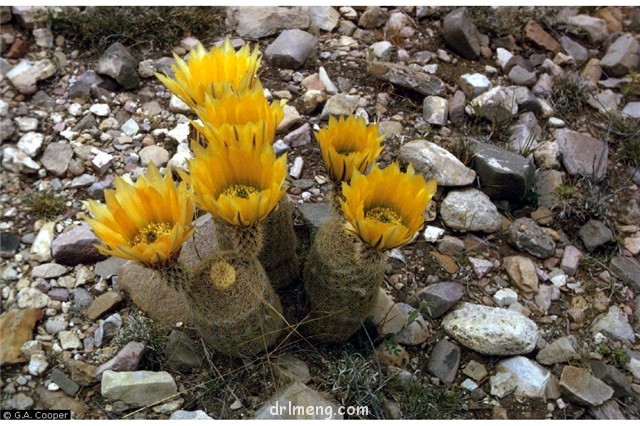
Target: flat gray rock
{"points": [[444, 361], [26, 74], [525, 135], [474, 85], [373, 17], [613, 377], [582, 154], [405, 76], [526, 235], [456, 107], [530, 378], [190, 415], [440, 297], [491, 331], [435, 110], [340, 104], [470, 210], [546, 183], [615, 324], [627, 269], [595, 28], [127, 359], [574, 49], [182, 352], [595, 234], [258, 22], [560, 350], [496, 104], [291, 49], [623, 55], [56, 158], [522, 77], [137, 388], [323, 17], [632, 109], [582, 387], [435, 162]]}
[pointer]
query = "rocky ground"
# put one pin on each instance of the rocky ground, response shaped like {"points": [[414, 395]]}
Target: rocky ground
{"points": [[519, 300]]}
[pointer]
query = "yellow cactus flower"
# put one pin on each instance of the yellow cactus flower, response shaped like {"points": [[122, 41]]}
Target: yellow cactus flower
{"points": [[347, 145], [222, 116], [146, 222], [240, 184], [384, 208], [211, 72]]}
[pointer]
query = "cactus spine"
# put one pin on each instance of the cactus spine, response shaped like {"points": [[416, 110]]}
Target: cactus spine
{"points": [[342, 278]]}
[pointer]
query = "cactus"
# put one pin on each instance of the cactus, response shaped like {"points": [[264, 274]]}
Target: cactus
{"points": [[278, 252], [234, 307], [342, 278]]}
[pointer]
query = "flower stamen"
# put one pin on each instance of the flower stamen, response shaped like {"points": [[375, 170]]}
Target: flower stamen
{"points": [[242, 191], [346, 151], [151, 232], [384, 215]]}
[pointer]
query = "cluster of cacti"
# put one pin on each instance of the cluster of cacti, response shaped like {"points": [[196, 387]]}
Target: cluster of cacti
{"points": [[236, 176], [371, 214]]}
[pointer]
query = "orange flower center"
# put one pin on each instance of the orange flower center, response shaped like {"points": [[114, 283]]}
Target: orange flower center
{"points": [[151, 232], [242, 191], [384, 215]]}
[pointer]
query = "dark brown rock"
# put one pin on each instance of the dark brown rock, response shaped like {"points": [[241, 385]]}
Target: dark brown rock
{"points": [[439, 298], [126, 360], [76, 246], [535, 33]]}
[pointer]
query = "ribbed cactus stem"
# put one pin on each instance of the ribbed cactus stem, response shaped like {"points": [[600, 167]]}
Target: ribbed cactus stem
{"points": [[246, 241], [342, 278], [175, 275]]}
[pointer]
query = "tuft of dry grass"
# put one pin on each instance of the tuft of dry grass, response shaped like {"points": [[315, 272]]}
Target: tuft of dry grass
{"points": [[154, 27]]}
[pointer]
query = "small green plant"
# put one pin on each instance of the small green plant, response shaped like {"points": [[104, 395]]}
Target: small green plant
{"points": [[632, 87], [617, 354], [45, 205], [620, 357], [391, 346], [565, 191]]}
